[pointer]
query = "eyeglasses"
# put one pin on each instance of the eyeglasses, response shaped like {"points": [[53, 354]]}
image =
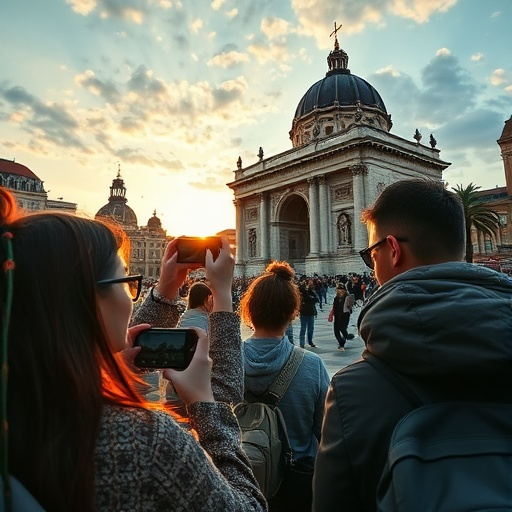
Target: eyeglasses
{"points": [[134, 284], [366, 254]]}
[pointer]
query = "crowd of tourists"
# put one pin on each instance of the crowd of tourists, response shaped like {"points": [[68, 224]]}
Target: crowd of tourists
{"points": [[79, 433]]}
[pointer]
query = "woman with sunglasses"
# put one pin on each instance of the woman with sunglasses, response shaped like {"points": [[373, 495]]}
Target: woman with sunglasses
{"points": [[80, 436]]}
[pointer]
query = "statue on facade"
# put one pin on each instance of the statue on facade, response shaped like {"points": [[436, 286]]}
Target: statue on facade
{"points": [[260, 154], [239, 163], [252, 243], [344, 236], [433, 141], [417, 135]]}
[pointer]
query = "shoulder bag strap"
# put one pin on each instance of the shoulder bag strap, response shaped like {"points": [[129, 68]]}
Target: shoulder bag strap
{"points": [[278, 388]]}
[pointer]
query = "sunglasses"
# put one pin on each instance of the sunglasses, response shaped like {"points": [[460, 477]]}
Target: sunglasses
{"points": [[134, 284], [366, 254]]}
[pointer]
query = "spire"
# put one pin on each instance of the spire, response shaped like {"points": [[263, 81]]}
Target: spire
{"points": [[118, 190], [337, 58]]}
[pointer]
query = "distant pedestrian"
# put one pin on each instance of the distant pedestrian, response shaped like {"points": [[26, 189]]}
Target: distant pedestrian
{"points": [[340, 313], [200, 303], [308, 312]]}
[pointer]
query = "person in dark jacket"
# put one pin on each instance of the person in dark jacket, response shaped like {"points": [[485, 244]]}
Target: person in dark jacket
{"points": [[444, 326], [340, 313], [307, 312]]}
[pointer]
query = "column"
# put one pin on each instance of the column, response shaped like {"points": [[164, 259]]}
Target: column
{"points": [[240, 250], [264, 226], [325, 217], [313, 216], [359, 173]]}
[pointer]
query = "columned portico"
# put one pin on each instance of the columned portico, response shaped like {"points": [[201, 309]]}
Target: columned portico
{"points": [[240, 231], [325, 241], [314, 221], [359, 174], [264, 226]]}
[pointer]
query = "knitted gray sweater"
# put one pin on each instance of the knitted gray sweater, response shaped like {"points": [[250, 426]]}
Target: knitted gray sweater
{"points": [[146, 461]]}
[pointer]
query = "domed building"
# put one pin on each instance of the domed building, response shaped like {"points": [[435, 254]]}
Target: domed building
{"points": [[28, 188], [337, 102], [147, 242], [116, 209], [304, 205]]}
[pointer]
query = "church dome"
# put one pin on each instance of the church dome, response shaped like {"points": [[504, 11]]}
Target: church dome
{"points": [[116, 209], [339, 88], [154, 222], [337, 102]]}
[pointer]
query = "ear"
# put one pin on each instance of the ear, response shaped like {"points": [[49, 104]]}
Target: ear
{"points": [[397, 253]]}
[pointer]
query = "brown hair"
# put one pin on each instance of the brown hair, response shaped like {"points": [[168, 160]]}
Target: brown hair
{"points": [[423, 211], [61, 366], [272, 299], [197, 294]]}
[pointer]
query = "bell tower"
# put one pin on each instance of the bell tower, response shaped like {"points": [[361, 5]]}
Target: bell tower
{"points": [[505, 142]]}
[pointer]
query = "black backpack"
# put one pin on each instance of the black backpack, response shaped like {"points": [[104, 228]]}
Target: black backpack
{"points": [[446, 457], [264, 434]]}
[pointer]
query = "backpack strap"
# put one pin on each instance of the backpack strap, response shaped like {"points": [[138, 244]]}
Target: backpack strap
{"points": [[391, 376], [277, 389]]}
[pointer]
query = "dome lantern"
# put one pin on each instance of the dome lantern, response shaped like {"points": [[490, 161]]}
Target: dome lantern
{"points": [[116, 209], [337, 102]]}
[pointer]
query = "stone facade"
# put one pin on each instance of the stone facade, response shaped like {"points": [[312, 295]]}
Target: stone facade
{"points": [[29, 189], [304, 205]]}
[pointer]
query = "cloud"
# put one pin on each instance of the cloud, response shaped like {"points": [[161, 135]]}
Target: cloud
{"points": [[196, 26], [388, 70], [477, 57], [210, 183], [315, 15], [274, 28], [265, 53], [498, 76], [233, 13], [105, 89], [228, 59], [45, 122], [133, 11], [83, 7], [144, 113], [217, 4], [448, 89]]}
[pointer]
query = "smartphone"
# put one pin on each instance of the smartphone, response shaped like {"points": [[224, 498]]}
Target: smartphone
{"points": [[165, 348], [192, 249]]}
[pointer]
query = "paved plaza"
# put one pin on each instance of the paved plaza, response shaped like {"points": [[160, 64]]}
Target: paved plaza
{"points": [[323, 338]]}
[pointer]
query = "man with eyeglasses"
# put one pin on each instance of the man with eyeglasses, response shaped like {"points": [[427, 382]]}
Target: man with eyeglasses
{"points": [[444, 326]]}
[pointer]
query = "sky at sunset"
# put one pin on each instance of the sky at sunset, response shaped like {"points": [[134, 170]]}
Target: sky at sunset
{"points": [[174, 92]]}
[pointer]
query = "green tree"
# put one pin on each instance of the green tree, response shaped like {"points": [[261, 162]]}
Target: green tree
{"points": [[477, 214]]}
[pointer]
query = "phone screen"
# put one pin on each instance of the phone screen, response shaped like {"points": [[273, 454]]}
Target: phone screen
{"points": [[165, 348], [193, 249]]}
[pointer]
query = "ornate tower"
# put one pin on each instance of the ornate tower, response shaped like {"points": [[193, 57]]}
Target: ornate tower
{"points": [[505, 142]]}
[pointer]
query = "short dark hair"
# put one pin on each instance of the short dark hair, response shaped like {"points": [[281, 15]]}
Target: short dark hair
{"points": [[272, 299], [426, 213]]}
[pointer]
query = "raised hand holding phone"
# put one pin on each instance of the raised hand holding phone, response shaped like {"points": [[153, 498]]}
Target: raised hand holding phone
{"points": [[194, 383]]}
